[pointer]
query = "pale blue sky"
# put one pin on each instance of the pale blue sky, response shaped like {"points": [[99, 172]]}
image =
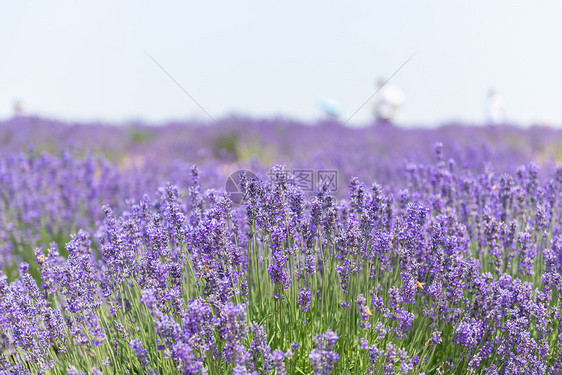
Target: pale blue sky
{"points": [[86, 60]]}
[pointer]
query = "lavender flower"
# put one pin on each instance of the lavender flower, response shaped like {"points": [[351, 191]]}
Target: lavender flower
{"points": [[304, 299], [140, 352], [323, 358]]}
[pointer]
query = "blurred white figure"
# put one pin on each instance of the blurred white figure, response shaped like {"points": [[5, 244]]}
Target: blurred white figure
{"points": [[495, 113], [330, 107], [387, 101], [18, 108]]}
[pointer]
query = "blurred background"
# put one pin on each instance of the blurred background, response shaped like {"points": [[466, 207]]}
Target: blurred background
{"points": [[474, 62]]}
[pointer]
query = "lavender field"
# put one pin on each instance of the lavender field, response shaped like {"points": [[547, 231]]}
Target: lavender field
{"points": [[430, 251]]}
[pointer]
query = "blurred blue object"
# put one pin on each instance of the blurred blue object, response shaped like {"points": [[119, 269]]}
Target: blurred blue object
{"points": [[330, 106]]}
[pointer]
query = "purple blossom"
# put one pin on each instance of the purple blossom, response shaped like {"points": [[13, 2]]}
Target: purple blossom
{"points": [[140, 352], [323, 358], [304, 299]]}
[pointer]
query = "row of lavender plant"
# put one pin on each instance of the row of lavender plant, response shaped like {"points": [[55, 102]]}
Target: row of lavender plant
{"points": [[47, 196], [367, 153], [452, 271]]}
